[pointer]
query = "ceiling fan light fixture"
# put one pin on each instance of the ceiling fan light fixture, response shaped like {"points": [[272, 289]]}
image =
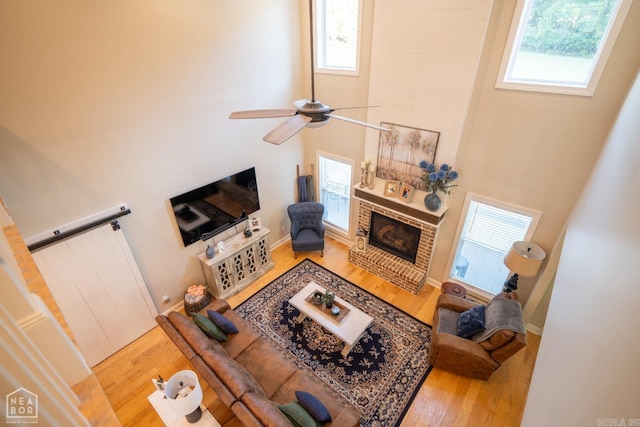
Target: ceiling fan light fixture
{"points": [[316, 125]]}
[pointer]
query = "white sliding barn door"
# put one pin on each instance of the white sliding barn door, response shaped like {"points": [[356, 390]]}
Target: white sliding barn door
{"points": [[98, 286]]}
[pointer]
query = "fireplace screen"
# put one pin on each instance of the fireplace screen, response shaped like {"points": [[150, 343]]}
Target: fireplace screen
{"points": [[394, 236]]}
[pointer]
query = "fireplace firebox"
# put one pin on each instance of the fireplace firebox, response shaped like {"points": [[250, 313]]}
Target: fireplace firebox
{"points": [[395, 237]]}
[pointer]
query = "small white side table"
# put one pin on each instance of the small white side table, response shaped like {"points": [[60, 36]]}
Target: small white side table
{"points": [[170, 419]]}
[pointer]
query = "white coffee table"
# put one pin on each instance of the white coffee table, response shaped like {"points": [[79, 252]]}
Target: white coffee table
{"points": [[349, 329]]}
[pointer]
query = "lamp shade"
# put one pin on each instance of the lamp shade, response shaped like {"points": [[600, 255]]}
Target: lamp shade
{"points": [[524, 258], [183, 392]]}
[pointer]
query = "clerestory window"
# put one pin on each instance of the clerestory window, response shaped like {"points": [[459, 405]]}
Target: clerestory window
{"points": [[560, 46], [337, 38]]}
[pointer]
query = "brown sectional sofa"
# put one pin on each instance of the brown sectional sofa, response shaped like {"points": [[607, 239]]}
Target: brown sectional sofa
{"points": [[249, 375]]}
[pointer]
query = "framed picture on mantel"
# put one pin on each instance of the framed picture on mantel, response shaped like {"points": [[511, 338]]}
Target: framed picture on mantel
{"points": [[406, 191], [391, 188]]}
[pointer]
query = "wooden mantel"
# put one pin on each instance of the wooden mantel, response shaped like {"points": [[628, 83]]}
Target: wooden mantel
{"points": [[415, 208]]}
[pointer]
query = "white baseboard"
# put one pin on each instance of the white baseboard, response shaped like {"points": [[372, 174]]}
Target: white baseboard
{"points": [[281, 242], [534, 329], [177, 307]]}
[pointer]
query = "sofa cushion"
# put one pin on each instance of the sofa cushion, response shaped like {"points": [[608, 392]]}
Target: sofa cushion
{"points": [[312, 405], [470, 322], [269, 367], [298, 415], [222, 322], [237, 343], [303, 381], [192, 333], [497, 340], [448, 321], [208, 327], [265, 410], [232, 374]]}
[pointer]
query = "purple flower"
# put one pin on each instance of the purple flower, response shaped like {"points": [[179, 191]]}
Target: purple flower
{"points": [[453, 175], [423, 164], [442, 174], [433, 176], [444, 167], [430, 167]]}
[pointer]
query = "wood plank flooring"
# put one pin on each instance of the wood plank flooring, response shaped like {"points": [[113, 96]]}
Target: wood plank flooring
{"points": [[443, 400]]}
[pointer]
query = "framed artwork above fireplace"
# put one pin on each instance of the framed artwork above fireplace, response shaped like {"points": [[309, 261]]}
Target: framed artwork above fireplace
{"points": [[401, 150]]}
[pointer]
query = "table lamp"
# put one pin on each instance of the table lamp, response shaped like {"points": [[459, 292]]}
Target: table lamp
{"points": [[184, 395], [523, 259]]}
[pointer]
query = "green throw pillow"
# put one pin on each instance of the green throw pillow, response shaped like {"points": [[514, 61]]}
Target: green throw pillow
{"points": [[298, 416], [208, 327]]}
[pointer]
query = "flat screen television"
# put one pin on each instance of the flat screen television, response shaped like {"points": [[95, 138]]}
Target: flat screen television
{"points": [[216, 207]]}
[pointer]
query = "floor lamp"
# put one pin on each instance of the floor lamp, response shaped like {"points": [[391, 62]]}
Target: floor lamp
{"points": [[523, 259]]}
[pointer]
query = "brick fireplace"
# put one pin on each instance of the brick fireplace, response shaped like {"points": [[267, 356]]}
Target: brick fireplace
{"points": [[402, 273]]}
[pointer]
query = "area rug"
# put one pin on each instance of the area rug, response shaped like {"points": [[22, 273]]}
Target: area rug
{"points": [[384, 370]]}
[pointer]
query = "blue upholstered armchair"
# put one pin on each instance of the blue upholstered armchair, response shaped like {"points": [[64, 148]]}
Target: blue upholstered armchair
{"points": [[307, 230]]}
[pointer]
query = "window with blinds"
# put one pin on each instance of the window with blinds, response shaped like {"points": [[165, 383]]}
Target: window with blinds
{"points": [[488, 231]]}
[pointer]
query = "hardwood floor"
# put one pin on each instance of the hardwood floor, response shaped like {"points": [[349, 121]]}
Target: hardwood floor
{"points": [[443, 400]]}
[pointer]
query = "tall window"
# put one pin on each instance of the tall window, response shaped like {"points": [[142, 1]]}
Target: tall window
{"points": [[486, 235], [337, 35], [335, 190], [560, 46]]}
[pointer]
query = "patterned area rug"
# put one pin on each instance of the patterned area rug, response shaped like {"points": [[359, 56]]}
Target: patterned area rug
{"points": [[381, 374]]}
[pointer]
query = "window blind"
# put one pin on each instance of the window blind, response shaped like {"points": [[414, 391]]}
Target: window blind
{"points": [[487, 236]]}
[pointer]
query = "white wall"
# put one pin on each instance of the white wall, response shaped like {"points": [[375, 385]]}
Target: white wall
{"points": [[110, 102], [424, 60], [587, 367]]}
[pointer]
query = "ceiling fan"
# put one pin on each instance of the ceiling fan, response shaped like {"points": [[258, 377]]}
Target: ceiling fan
{"points": [[306, 112]]}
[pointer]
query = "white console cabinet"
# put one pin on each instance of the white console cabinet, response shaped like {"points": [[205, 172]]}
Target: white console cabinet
{"points": [[242, 261]]}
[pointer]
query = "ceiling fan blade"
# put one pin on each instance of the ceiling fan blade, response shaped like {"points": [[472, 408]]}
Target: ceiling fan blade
{"points": [[261, 114], [358, 122], [287, 129]]}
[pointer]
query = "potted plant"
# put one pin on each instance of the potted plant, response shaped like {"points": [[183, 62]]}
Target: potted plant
{"points": [[328, 298]]}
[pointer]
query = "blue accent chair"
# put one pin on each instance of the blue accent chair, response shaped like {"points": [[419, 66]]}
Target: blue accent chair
{"points": [[307, 229]]}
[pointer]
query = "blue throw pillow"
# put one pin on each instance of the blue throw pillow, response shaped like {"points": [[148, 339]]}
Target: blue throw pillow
{"points": [[313, 406], [471, 322], [222, 322]]}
